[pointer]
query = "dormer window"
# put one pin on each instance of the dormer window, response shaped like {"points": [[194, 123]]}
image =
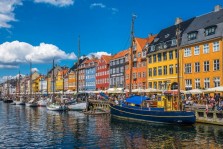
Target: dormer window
{"points": [[210, 30], [167, 35], [152, 48], [192, 35], [173, 42]]}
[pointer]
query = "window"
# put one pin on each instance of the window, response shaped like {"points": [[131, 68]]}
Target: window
{"points": [[192, 36], [135, 64], [206, 82], [188, 84], [216, 64], [150, 72], [206, 48], [197, 67], [197, 83], [187, 68], [170, 54], [152, 48], [173, 42], [121, 61], [150, 84], [187, 52], [210, 30], [165, 70], [196, 50], [139, 74], [150, 59], [176, 68], [155, 85], [206, 66], [176, 54], [171, 69], [113, 70], [117, 70], [216, 81], [111, 63], [144, 53], [154, 58], [154, 71], [143, 74], [122, 69], [134, 75], [160, 85], [215, 46], [159, 57], [164, 56], [160, 70], [139, 54]]}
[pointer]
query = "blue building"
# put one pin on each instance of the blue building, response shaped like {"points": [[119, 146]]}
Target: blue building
{"points": [[90, 72]]}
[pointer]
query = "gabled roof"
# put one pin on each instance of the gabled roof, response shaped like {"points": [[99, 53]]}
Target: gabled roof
{"points": [[169, 33], [206, 20], [107, 58], [75, 64], [120, 54]]}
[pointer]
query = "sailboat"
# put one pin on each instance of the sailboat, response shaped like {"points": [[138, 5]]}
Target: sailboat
{"points": [[21, 100], [132, 109], [53, 106], [78, 105]]}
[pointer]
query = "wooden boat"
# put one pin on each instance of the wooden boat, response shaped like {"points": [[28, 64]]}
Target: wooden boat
{"points": [[32, 103], [7, 100], [155, 115], [77, 106]]}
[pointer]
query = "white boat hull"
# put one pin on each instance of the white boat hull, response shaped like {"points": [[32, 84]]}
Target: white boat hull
{"points": [[53, 107], [31, 104], [20, 102], [78, 106], [42, 103]]}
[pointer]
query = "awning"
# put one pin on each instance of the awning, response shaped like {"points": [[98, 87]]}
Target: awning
{"points": [[136, 99]]}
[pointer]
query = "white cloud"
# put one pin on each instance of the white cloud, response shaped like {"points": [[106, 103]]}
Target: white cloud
{"points": [[34, 70], [98, 54], [5, 78], [60, 3], [14, 53], [114, 10], [7, 15], [97, 5]]}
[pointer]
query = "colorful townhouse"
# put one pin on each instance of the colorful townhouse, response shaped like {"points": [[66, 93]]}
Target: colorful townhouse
{"points": [[117, 70], [162, 57], [81, 72], [202, 51], [102, 73], [50, 78], [139, 65], [42, 84], [72, 75], [60, 76], [90, 71]]}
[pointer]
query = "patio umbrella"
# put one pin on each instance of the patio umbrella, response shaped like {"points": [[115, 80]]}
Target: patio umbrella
{"points": [[194, 91]]}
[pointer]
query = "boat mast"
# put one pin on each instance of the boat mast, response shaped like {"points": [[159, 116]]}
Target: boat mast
{"points": [[131, 55], [30, 80], [7, 86], [178, 66], [78, 61], [53, 82], [47, 91], [19, 84]]}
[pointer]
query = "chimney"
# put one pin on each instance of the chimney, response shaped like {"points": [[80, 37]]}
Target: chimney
{"points": [[178, 21], [217, 8]]}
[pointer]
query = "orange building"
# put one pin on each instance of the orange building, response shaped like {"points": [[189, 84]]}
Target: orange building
{"points": [[138, 65], [202, 51]]}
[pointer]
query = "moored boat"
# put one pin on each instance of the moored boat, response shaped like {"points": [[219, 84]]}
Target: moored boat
{"points": [[7, 100], [149, 114], [77, 106], [56, 107], [21, 101], [32, 103]]}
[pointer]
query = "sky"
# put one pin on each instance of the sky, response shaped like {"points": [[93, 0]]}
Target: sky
{"points": [[39, 30]]}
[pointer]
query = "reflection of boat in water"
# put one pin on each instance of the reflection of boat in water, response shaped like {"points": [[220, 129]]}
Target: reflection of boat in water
{"points": [[157, 115]]}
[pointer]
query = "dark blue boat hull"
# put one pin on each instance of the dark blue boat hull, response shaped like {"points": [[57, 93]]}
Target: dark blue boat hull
{"points": [[169, 117]]}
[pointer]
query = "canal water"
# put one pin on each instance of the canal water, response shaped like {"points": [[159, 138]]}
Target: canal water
{"points": [[25, 127]]}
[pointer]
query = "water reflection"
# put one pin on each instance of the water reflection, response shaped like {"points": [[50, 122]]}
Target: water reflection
{"points": [[25, 127]]}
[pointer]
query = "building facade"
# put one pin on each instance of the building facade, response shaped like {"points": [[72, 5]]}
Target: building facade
{"points": [[90, 72], [102, 73], [162, 57], [202, 52], [117, 70]]}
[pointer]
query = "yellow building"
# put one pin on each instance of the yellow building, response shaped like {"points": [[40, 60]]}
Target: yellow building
{"points": [[162, 58], [202, 51], [72, 80], [60, 79]]}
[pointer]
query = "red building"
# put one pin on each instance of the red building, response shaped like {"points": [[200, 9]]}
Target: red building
{"points": [[102, 73]]}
